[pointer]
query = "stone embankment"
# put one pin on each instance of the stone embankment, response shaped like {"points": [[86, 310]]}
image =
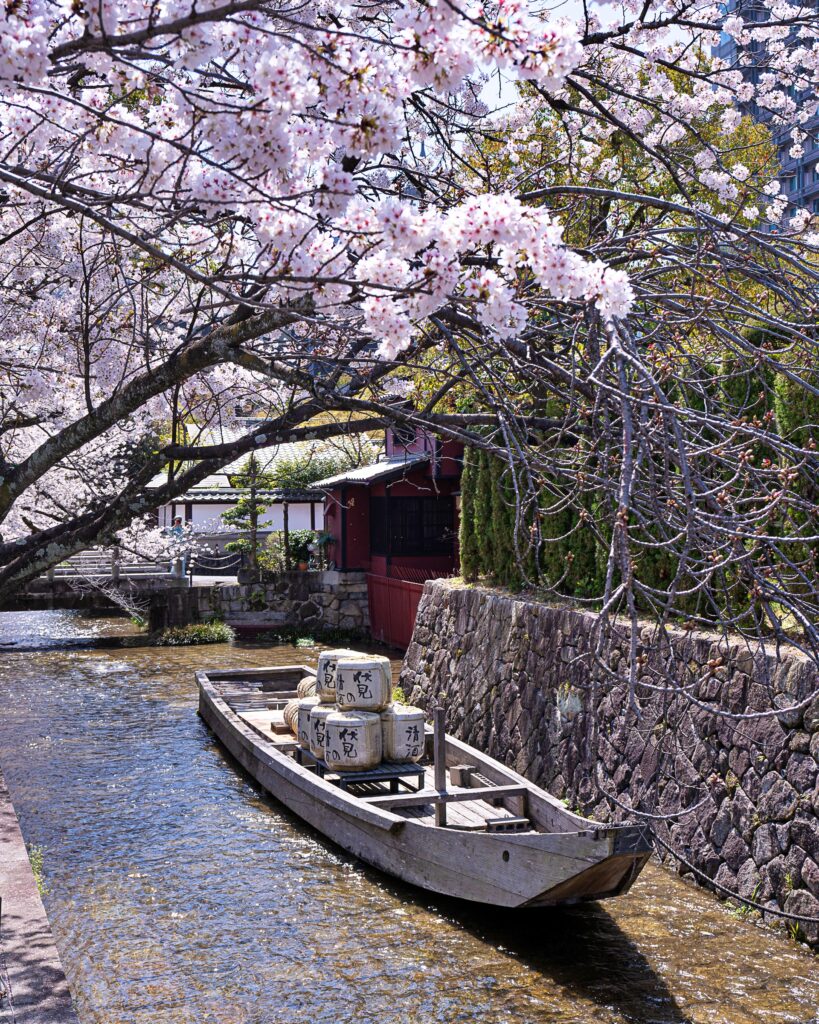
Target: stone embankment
{"points": [[316, 601], [33, 987], [514, 676]]}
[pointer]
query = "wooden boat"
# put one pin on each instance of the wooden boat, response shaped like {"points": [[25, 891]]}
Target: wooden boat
{"points": [[475, 830]]}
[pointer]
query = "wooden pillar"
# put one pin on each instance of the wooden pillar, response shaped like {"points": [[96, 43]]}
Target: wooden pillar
{"points": [[439, 761], [115, 563], [286, 524], [343, 531], [387, 530]]}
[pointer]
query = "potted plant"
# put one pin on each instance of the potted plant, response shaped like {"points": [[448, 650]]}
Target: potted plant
{"points": [[300, 541]]}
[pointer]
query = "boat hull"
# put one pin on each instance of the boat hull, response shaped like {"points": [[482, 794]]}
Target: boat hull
{"points": [[508, 870]]}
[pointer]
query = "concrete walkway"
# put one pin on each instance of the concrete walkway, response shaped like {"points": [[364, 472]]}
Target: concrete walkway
{"points": [[33, 987]]}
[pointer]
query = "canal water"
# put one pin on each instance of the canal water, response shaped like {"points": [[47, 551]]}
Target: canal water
{"points": [[180, 894]]}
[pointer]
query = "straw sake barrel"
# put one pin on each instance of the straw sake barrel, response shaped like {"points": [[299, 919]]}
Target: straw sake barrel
{"points": [[352, 740], [291, 716], [402, 731], [307, 687], [363, 683], [306, 705], [318, 720], [326, 672]]}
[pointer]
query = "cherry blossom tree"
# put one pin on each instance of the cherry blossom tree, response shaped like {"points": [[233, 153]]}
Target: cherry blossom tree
{"points": [[296, 203]]}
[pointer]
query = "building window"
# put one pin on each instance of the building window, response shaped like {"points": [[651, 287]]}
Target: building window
{"points": [[403, 435], [411, 526]]}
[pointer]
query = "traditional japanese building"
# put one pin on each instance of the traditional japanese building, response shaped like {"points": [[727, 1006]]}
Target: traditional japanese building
{"points": [[202, 506], [397, 521]]}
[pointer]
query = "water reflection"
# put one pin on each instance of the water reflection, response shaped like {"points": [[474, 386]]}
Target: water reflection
{"points": [[181, 894], [32, 631]]}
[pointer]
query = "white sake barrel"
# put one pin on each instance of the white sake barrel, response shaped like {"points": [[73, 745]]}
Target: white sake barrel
{"points": [[306, 705], [318, 720], [402, 730], [326, 672], [363, 683], [352, 741], [307, 687]]}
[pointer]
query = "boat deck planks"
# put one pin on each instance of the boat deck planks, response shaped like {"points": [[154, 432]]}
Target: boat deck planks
{"points": [[462, 813], [267, 723]]}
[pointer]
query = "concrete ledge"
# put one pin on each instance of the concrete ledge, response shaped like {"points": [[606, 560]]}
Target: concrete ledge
{"points": [[34, 986]]}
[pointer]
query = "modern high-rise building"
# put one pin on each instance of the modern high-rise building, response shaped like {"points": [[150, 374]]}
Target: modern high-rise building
{"points": [[800, 175]]}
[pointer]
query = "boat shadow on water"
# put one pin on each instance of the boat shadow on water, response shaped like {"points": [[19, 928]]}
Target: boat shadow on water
{"points": [[578, 948], [581, 949]]}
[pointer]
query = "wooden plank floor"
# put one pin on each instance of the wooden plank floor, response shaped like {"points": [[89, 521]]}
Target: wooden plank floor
{"points": [[469, 815], [267, 723]]}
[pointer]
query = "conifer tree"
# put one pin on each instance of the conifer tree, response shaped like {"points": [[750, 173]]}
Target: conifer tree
{"points": [[245, 514], [484, 527], [470, 557]]}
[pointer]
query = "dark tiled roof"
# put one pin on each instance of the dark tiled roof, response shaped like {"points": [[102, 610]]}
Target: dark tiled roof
{"points": [[216, 495]]}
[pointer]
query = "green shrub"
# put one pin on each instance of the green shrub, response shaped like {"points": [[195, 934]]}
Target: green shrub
{"points": [[197, 633], [300, 540], [482, 503], [271, 557]]}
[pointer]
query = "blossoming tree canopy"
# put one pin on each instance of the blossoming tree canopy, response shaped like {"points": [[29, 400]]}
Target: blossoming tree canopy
{"points": [[305, 127]]}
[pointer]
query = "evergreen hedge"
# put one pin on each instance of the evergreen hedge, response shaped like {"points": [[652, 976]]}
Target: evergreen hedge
{"points": [[572, 550]]}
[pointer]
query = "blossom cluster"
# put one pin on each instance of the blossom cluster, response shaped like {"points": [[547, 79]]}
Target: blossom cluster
{"points": [[512, 238]]}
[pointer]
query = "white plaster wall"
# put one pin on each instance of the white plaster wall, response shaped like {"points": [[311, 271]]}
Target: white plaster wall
{"points": [[208, 515], [298, 516]]}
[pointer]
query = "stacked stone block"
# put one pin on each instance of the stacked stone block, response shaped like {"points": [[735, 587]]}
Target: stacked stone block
{"points": [[310, 600], [515, 678]]}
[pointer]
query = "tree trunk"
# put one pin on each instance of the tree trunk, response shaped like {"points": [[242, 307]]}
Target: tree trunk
{"points": [[254, 527]]}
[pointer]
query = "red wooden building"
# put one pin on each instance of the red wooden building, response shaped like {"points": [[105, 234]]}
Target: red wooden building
{"points": [[397, 521]]}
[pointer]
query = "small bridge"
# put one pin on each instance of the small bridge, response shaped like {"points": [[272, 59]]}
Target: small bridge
{"points": [[101, 579], [108, 563]]}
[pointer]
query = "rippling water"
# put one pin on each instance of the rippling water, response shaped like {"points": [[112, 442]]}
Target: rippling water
{"points": [[47, 630], [180, 894]]}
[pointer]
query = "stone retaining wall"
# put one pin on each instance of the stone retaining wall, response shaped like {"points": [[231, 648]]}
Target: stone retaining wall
{"points": [[311, 600], [514, 678]]}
